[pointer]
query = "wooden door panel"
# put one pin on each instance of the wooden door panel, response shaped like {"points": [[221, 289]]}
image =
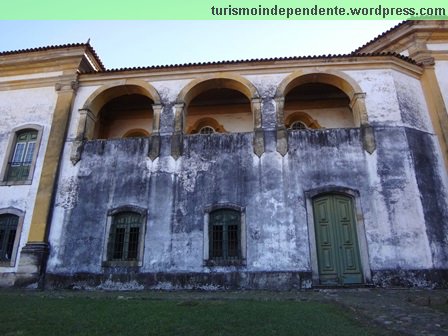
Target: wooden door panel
{"points": [[337, 246], [328, 268]]}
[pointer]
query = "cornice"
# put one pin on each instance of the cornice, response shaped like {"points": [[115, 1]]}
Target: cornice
{"points": [[247, 69]]}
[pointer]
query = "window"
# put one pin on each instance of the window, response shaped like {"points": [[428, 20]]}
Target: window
{"points": [[301, 121], [206, 126], [22, 149], [8, 230], [124, 238], [19, 166], [207, 130], [298, 125], [136, 133], [225, 237]]}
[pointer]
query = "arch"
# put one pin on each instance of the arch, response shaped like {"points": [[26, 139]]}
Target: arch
{"points": [[90, 118], [105, 93], [302, 117], [12, 211], [136, 132], [216, 81], [224, 205], [127, 208], [204, 122], [227, 81], [332, 189], [337, 79]]}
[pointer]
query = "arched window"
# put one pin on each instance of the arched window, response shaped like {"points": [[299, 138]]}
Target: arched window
{"points": [[21, 154], [8, 231], [206, 126], [125, 237], [136, 133], [207, 130], [301, 121], [298, 125]]}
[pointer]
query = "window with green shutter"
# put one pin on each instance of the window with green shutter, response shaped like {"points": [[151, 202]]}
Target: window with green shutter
{"points": [[22, 156]]}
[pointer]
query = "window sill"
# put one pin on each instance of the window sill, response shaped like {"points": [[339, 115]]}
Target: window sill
{"points": [[14, 183], [218, 263], [124, 264]]}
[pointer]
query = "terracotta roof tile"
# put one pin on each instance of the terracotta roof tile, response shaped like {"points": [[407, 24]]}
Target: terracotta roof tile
{"points": [[292, 58], [380, 36], [170, 66], [52, 47]]}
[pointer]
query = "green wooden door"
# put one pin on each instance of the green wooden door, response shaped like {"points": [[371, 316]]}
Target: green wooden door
{"points": [[336, 241]]}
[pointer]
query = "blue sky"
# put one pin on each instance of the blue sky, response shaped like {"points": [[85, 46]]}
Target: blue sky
{"points": [[144, 43]]}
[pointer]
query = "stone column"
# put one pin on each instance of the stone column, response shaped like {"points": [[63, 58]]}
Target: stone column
{"points": [[154, 150], [258, 131], [86, 125], [177, 138], [34, 255], [282, 134], [358, 107]]}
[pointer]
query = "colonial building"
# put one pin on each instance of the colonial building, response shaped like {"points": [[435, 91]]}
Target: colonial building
{"points": [[270, 173]]}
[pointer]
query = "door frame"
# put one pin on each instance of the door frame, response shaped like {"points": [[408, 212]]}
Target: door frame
{"points": [[359, 225]]}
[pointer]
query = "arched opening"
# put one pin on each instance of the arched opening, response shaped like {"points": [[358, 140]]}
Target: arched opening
{"points": [[318, 105], [114, 110], [231, 100], [223, 109], [333, 99], [120, 116]]}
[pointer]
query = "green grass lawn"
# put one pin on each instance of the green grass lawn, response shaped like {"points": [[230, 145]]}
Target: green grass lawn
{"points": [[117, 314]]}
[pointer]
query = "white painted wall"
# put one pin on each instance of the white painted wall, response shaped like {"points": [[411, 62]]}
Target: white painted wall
{"points": [[17, 108], [414, 111], [339, 117], [437, 46], [381, 97], [442, 77]]}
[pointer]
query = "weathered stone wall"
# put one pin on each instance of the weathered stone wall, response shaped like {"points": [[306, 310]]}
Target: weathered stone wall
{"points": [[222, 168], [399, 192]]}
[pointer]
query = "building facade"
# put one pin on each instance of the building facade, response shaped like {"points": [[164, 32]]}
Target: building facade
{"points": [[275, 173]]}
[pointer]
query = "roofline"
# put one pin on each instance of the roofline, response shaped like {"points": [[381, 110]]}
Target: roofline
{"points": [[102, 69], [260, 60], [55, 47], [357, 50]]}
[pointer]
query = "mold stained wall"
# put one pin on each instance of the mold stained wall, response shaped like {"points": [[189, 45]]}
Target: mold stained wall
{"points": [[221, 168], [397, 228], [428, 166], [20, 107]]}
